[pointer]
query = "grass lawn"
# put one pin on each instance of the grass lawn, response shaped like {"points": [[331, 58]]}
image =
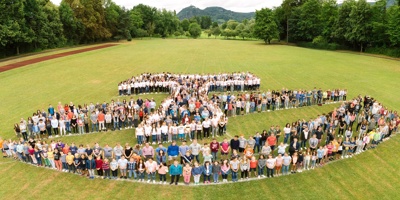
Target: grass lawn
{"points": [[93, 77]]}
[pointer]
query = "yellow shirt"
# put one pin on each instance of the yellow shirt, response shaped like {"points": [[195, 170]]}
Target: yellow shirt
{"points": [[70, 159], [50, 155]]}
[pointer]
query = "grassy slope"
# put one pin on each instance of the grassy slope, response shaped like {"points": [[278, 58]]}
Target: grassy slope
{"points": [[93, 76]]}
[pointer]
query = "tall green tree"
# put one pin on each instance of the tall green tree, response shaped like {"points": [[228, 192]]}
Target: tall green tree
{"points": [[379, 36], [194, 30], [329, 14], [308, 24], [205, 22], [185, 24], [361, 24], [13, 29], [265, 27], [149, 17], [216, 31], [343, 23], [393, 29], [73, 28]]}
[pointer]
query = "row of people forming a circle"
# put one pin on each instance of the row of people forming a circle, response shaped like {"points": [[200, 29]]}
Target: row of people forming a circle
{"points": [[166, 82]]}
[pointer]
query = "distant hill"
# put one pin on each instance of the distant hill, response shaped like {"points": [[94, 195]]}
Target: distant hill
{"points": [[216, 13]]}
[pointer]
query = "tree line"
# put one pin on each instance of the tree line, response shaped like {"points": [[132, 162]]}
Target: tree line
{"points": [[353, 24], [31, 25]]}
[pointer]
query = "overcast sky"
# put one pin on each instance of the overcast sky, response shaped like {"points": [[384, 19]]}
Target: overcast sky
{"points": [[235, 5]]}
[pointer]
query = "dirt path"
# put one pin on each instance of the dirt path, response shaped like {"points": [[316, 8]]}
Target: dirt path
{"points": [[49, 57]]}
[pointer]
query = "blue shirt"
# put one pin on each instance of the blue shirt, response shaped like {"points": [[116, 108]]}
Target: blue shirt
{"points": [[183, 149], [175, 170], [173, 150]]}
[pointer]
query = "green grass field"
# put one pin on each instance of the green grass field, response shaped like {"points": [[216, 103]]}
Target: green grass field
{"points": [[93, 77]]}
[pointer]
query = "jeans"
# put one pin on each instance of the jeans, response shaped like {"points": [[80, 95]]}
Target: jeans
{"points": [[285, 169], [151, 176], [95, 125], [261, 171], [234, 176], [130, 172], [303, 143], [197, 158], [214, 155], [285, 140], [141, 175], [67, 127], [140, 139], [116, 125], [215, 177], [191, 135], [64, 166]]}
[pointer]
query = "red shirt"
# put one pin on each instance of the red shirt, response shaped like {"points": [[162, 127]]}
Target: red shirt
{"points": [[99, 164], [271, 141], [214, 146], [100, 117], [197, 104], [224, 146], [253, 164], [70, 114]]}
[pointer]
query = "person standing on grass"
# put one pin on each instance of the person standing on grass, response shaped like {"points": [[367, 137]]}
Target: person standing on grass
{"points": [[175, 170], [114, 168], [207, 171], [271, 163], [225, 169], [287, 131], [225, 148], [216, 171], [244, 167], [106, 168], [195, 148], [91, 166], [242, 143], [214, 146], [122, 165], [99, 165], [187, 171], [197, 171], [151, 168], [253, 166], [148, 151], [235, 143], [70, 162], [286, 164], [262, 163]]}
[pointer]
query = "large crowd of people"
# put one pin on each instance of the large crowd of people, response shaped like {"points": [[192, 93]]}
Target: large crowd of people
{"points": [[167, 82], [297, 146], [189, 113]]}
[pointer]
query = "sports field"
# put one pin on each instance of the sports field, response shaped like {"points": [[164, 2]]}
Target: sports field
{"points": [[93, 77]]}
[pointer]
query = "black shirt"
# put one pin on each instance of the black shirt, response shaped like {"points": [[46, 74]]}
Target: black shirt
{"points": [[235, 144]]}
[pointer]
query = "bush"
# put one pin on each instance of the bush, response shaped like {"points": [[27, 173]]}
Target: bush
{"points": [[392, 52], [326, 46]]}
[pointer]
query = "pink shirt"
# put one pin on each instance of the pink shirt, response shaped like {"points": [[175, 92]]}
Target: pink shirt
{"points": [[151, 166], [225, 168], [148, 151], [225, 146], [163, 170], [279, 161]]}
